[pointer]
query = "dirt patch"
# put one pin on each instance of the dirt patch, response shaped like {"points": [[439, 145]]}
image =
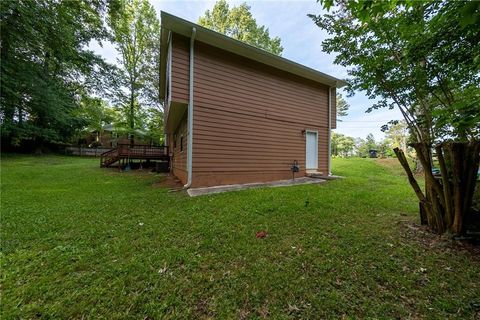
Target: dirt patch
{"points": [[169, 181], [422, 235]]}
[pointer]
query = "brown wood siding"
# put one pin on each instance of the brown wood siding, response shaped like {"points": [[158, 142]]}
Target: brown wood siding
{"points": [[334, 109], [180, 68], [249, 118], [179, 157]]}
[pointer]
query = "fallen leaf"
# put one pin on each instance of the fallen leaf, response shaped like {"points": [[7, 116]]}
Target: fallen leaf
{"points": [[261, 234]]}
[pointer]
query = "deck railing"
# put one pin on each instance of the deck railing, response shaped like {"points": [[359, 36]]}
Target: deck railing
{"points": [[125, 151], [143, 151]]}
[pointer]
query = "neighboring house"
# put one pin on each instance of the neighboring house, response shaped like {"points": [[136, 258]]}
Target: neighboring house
{"points": [[111, 136], [238, 114]]}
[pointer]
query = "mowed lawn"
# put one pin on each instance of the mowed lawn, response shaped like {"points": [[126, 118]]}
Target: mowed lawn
{"points": [[78, 241]]}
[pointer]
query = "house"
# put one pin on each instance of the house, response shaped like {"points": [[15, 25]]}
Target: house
{"points": [[110, 136], [238, 114]]}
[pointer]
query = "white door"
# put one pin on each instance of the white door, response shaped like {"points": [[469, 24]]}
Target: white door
{"points": [[312, 150]]}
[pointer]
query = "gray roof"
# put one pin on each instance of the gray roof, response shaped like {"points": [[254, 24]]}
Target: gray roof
{"points": [[183, 27]]}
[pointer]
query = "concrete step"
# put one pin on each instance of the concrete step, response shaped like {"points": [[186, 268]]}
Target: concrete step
{"points": [[320, 175]]}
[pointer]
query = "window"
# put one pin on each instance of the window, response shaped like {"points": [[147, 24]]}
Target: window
{"points": [[181, 144]]}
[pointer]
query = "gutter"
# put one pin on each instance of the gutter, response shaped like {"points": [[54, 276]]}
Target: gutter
{"points": [[190, 114], [168, 98], [330, 130]]}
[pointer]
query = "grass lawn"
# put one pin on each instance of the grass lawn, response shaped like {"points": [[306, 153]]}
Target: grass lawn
{"points": [[78, 241]]}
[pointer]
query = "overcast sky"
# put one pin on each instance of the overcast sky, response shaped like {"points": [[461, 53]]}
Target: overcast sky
{"points": [[301, 41]]}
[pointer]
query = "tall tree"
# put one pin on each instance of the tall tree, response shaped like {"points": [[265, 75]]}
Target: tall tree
{"points": [[398, 135], [46, 66], [239, 24], [342, 145], [422, 58], [136, 32], [94, 114], [342, 107]]}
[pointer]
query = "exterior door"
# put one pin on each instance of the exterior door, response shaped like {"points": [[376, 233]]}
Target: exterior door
{"points": [[311, 150]]}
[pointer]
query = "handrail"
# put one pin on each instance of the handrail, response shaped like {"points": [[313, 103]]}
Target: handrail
{"points": [[141, 146], [108, 152], [140, 152], [145, 150]]}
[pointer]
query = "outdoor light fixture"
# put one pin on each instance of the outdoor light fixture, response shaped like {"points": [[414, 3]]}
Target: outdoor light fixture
{"points": [[304, 132]]}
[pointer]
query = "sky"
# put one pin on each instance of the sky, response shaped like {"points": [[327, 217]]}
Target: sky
{"points": [[301, 40]]}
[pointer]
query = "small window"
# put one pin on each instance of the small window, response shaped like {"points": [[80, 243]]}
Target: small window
{"points": [[181, 143]]}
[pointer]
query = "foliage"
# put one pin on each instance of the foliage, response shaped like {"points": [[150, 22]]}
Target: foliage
{"points": [[136, 32], [46, 66], [422, 58], [398, 135], [342, 107], [363, 146], [239, 24], [342, 145], [154, 125], [95, 114], [120, 246]]}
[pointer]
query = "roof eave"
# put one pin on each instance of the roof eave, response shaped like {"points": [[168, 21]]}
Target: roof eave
{"points": [[184, 27], [163, 62]]}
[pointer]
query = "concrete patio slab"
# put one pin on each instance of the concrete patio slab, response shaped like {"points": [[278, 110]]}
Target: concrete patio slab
{"points": [[194, 192]]}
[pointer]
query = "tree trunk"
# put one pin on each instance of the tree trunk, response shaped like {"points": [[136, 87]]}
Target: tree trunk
{"points": [[456, 157], [447, 192], [132, 113], [447, 204], [413, 182]]}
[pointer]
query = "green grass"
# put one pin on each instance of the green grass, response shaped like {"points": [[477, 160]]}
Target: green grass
{"points": [[83, 242]]}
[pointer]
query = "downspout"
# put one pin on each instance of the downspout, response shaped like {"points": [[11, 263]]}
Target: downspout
{"points": [[190, 115], [330, 131], [168, 89]]}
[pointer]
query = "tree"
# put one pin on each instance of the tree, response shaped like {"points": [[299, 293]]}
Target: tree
{"points": [[94, 114], [385, 148], [342, 145], [422, 58], [397, 135], [154, 126], [342, 106], [136, 31], [46, 66], [370, 142], [239, 24], [363, 146]]}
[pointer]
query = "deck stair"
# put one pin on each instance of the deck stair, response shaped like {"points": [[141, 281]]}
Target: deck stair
{"points": [[127, 152]]}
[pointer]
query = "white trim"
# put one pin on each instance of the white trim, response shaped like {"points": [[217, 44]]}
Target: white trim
{"points": [[190, 113], [316, 149]]}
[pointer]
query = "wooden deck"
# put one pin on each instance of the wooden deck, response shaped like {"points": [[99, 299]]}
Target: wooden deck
{"points": [[126, 152]]}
